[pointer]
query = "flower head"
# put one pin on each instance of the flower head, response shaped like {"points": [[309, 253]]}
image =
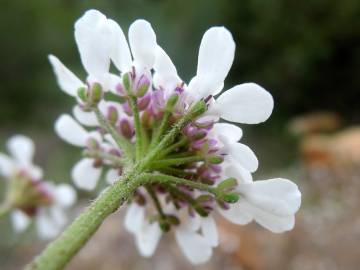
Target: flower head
{"points": [[28, 196], [148, 120]]}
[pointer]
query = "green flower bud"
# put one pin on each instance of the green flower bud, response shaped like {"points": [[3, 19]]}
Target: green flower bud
{"points": [[230, 197], [82, 94], [227, 184], [215, 159], [126, 78], [96, 94]]}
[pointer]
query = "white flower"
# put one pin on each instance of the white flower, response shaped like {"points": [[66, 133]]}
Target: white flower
{"points": [[271, 203], [151, 78], [196, 236], [100, 40], [51, 200], [245, 103], [229, 135], [22, 150], [84, 174]]}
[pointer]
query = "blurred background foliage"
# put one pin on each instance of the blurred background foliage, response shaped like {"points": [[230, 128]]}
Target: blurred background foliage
{"points": [[306, 53]]}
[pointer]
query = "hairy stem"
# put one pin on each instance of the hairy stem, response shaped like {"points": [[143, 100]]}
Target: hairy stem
{"points": [[58, 253], [175, 161], [164, 178]]}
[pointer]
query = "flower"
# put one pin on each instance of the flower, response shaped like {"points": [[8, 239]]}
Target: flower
{"points": [[198, 167], [28, 196]]}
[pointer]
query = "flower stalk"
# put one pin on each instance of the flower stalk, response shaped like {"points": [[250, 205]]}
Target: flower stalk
{"points": [[58, 253]]}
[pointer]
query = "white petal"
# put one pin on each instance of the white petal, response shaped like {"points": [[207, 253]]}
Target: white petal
{"points": [[21, 148], [148, 238], [244, 155], [134, 218], [111, 176], [192, 223], [92, 35], [209, 231], [70, 131], [65, 195], [107, 80], [216, 54], [7, 165], [85, 118], [246, 103], [20, 221], [85, 175], [232, 132], [120, 52], [194, 246], [46, 226], [67, 81], [237, 171], [274, 223], [280, 197], [165, 72], [142, 41], [236, 214]]}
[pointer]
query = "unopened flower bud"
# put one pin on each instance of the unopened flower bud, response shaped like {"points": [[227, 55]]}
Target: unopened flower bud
{"points": [[82, 94], [142, 86], [92, 144], [126, 78], [120, 90], [174, 220], [227, 184], [126, 128], [95, 94], [164, 226], [127, 109], [144, 102], [215, 159], [112, 115], [230, 197], [198, 135]]}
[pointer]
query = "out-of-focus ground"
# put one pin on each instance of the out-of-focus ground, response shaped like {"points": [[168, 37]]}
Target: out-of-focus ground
{"points": [[326, 235]]}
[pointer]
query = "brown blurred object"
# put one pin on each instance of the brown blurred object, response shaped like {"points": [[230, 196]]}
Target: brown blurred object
{"points": [[315, 122], [327, 157]]}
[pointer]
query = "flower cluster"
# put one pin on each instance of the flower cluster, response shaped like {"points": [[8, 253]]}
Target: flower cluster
{"points": [[145, 118], [28, 196]]}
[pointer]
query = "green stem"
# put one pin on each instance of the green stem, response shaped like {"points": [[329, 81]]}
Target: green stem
{"points": [[103, 155], [155, 200], [198, 109], [58, 253], [175, 161], [123, 143], [137, 125], [160, 130], [163, 178], [183, 141]]}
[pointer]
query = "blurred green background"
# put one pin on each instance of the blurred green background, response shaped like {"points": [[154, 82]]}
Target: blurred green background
{"points": [[306, 53]]}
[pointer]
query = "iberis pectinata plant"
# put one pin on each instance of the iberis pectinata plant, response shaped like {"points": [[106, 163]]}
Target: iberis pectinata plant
{"points": [[168, 148]]}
